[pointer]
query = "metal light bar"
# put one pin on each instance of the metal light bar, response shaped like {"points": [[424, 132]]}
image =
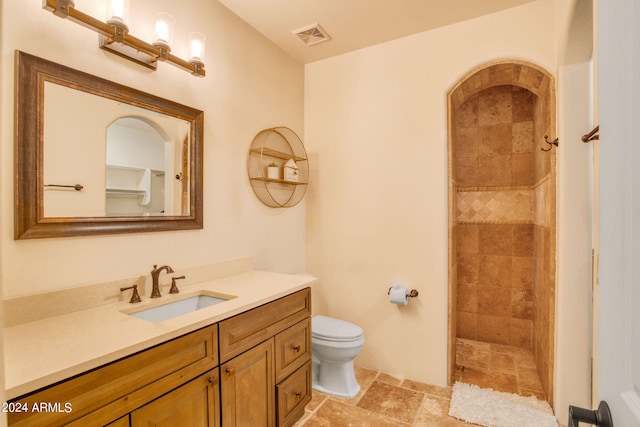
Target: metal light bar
{"points": [[116, 39]]}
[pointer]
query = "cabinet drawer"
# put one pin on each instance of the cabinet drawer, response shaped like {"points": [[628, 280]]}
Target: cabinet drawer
{"points": [[292, 396], [241, 332], [293, 348], [115, 389]]}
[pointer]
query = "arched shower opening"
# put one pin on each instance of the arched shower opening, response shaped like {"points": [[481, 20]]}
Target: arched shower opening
{"points": [[502, 226]]}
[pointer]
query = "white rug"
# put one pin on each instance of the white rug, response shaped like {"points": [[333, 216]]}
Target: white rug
{"points": [[491, 408]]}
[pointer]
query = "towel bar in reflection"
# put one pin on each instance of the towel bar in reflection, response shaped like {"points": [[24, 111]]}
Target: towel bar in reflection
{"points": [[76, 187]]}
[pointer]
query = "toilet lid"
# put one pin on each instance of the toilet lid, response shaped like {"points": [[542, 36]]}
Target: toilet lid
{"points": [[330, 329]]}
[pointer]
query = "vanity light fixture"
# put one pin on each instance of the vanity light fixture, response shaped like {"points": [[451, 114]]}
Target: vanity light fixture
{"points": [[115, 37]]}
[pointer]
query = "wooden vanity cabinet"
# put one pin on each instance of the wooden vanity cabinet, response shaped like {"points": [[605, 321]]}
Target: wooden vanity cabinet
{"points": [[253, 369]]}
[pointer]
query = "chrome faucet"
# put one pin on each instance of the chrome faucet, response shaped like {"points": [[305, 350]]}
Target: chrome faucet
{"points": [[155, 273]]}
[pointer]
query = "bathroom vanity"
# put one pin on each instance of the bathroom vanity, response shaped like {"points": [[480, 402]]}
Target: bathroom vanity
{"points": [[245, 367]]}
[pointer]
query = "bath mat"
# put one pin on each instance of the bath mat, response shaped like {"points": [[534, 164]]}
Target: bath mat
{"points": [[491, 408]]}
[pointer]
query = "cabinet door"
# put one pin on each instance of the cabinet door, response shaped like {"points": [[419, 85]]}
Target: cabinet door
{"points": [[120, 422], [195, 404], [247, 387]]}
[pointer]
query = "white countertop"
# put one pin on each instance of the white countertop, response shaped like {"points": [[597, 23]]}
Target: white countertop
{"points": [[43, 352]]}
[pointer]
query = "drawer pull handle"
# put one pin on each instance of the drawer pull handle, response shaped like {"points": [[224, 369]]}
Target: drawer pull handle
{"points": [[296, 348], [231, 371]]}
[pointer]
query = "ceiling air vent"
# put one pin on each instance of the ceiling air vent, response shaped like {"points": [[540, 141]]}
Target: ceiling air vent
{"points": [[312, 34]]}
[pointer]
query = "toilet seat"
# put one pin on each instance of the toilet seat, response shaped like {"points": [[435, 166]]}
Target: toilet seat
{"points": [[336, 330]]}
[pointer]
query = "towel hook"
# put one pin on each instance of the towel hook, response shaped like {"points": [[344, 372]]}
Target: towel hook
{"points": [[551, 143]]}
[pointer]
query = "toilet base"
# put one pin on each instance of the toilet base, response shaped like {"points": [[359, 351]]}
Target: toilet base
{"points": [[337, 379]]}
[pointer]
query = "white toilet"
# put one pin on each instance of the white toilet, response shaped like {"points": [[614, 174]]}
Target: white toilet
{"points": [[335, 343]]}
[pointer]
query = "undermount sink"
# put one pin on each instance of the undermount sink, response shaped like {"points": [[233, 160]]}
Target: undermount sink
{"points": [[177, 308]]}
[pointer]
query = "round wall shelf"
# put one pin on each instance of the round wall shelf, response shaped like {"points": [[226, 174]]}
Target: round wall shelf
{"points": [[278, 146]]}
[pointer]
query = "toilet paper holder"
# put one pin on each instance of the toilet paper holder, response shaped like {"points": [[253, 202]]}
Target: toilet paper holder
{"points": [[412, 293]]}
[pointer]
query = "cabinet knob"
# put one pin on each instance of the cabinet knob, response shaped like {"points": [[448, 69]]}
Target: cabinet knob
{"points": [[230, 371], [298, 394], [296, 348], [212, 378]]}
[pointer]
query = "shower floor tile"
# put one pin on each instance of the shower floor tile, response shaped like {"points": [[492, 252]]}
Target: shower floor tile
{"points": [[497, 366]]}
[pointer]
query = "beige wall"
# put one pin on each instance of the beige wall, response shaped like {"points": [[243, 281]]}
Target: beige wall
{"points": [[376, 131], [250, 85]]}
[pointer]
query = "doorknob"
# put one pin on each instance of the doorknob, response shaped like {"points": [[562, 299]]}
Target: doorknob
{"points": [[600, 417]]}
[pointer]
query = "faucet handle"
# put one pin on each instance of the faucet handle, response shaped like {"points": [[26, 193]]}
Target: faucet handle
{"points": [[135, 296], [174, 288]]}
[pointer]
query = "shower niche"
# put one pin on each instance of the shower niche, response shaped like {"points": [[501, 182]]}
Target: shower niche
{"points": [[502, 228]]}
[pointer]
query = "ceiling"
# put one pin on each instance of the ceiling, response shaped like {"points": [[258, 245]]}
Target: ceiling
{"points": [[355, 24]]}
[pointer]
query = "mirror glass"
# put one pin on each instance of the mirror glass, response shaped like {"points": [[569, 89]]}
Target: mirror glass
{"points": [[96, 157], [124, 166]]}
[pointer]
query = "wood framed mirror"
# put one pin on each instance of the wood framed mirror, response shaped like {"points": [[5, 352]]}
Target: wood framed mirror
{"points": [[94, 157]]}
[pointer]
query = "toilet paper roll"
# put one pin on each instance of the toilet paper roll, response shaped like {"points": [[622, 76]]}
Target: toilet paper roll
{"points": [[398, 294]]}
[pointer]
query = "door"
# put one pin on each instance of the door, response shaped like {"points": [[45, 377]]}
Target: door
{"points": [[619, 209]]}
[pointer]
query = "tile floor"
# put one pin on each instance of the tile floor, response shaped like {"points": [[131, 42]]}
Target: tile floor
{"points": [[388, 401], [501, 367]]}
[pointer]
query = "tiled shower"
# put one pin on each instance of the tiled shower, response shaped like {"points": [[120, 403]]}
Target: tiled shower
{"points": [[502, 212]]}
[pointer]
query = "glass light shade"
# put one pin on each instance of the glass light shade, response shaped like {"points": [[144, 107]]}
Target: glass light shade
{"points": [[196, 47], [165, 25], [119, 12]]}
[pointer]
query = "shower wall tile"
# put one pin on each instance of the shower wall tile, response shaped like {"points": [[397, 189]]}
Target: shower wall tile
{"points": [[495, 106], [542, 203], [522, 172], [467, 325], [495, 270], [522, 303], [523, 105], [494, 301], [468, 268], [493, 329], [467, 171], [495, 239], [495, 140], [522, 270], [467, 239], [467, 298], [467, 113], [522, 137], [520, 333], [494, 171], [523, 240], [467, 142], [500, 206]]}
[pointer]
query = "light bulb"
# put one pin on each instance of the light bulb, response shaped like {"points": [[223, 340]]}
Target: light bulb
{"points": [[165, 24], [119, 13], [196, 47]]}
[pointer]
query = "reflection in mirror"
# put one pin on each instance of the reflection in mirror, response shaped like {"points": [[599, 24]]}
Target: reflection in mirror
{"points": [[143, 160], [140, 147], [135, 157]]}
